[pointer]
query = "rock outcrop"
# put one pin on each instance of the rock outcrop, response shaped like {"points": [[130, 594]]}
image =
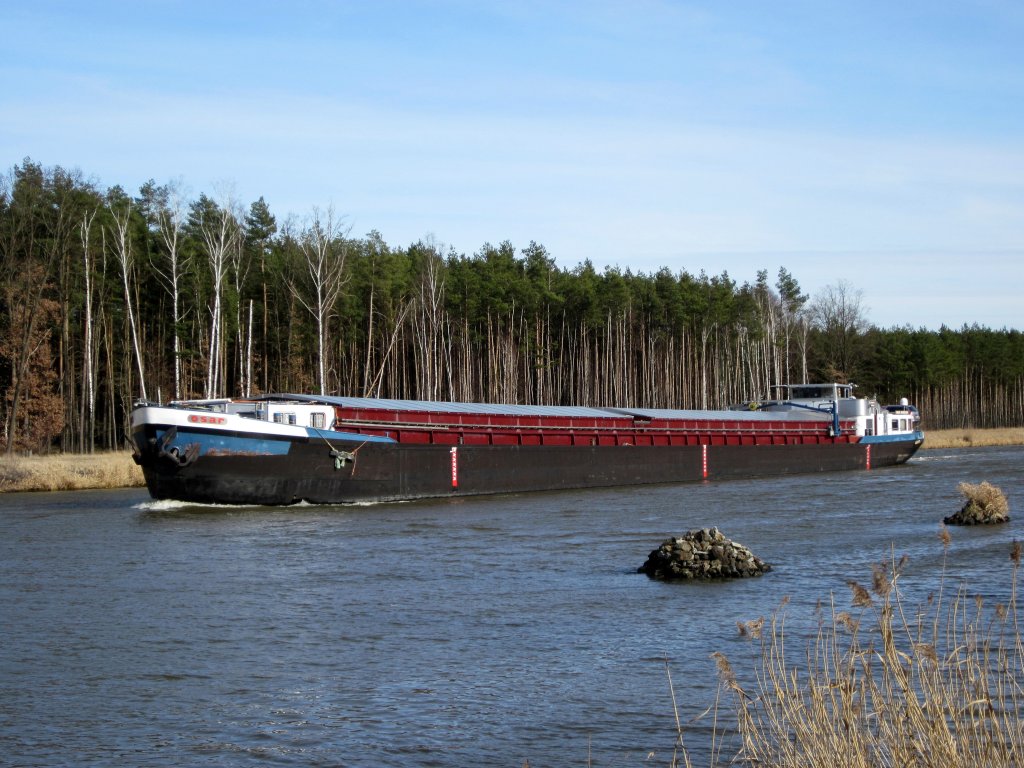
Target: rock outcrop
{"points": [[702, 555], [984, 504]]}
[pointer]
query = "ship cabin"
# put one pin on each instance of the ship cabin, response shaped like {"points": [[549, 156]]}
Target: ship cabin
{"points": [[869, 417], [313, 415]]}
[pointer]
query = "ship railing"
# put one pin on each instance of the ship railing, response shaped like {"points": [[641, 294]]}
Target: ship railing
{"points": [[589, 438], [779, 425], [692, 434]]}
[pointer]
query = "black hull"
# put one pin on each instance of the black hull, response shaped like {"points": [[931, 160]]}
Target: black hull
{"points": [[390, 472]]}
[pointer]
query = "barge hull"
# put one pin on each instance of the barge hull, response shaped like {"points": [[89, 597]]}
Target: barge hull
{"points": [[309, 471]]}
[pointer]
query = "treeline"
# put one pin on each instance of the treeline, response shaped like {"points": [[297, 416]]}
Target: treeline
{"points": [[107, 298]]}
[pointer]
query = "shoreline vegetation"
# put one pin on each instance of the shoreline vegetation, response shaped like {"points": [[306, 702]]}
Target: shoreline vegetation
{"points": [[115, 469], [69, 472], [973, 438]]}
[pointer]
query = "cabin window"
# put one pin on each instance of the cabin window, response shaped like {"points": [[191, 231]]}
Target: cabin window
{"points": [[317, 420], [284, 418], [895, 425]]}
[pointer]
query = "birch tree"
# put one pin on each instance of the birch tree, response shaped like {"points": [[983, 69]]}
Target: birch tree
{"points": [[88, 412], [167, 213], [429, 319], [120, 208], [218, 230], [320, 279], [240, 260]]}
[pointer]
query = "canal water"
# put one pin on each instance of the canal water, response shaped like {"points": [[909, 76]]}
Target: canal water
{"points": [[488, 631]]}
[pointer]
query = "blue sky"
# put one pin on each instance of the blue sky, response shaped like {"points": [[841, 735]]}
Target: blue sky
{"points": [[873, 142]]}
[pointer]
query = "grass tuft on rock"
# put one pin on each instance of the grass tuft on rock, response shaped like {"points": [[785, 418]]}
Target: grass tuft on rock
{"points": [[984, 504]]}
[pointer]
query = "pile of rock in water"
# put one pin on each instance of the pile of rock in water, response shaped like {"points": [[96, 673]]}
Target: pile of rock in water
{"points": [[702, 555], [985, 504]]}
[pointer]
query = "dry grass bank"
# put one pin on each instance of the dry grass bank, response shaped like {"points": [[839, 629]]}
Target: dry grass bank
{"points": [[69, 472], [970, 438]]}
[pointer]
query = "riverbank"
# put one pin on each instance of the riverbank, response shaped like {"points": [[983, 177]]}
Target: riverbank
{"points": [[69, 472], [73, 472], [972, 438]]}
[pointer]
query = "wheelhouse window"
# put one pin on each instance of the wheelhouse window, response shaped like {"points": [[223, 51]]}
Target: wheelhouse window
{"points": [[317, 420]]}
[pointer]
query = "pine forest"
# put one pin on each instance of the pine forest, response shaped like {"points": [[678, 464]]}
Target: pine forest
{"points": [[108, 298]]}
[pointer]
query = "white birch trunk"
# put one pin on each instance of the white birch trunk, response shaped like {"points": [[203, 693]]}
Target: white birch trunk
{"points": [[170, 220], [123, 253], [248, 355], [88, 372], [218, 238]]}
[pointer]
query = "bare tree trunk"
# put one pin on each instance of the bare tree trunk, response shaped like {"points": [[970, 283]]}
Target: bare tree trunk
{"points": [[126, 259], [368, 364], [431, 322], [248, 355], [88, 418], [240, 265]]}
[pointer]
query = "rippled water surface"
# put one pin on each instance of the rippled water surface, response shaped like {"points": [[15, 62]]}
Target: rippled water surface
{"points": [[476, 632]]}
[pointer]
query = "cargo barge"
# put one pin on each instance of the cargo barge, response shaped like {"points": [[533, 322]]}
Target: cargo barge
{"points": [[284, 449]]}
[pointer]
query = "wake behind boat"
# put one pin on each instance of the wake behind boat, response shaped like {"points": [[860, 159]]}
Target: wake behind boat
{"points": [[283, 449]]}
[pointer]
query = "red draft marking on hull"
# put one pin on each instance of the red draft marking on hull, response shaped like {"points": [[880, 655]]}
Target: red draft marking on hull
{"points": [[455, 468]]}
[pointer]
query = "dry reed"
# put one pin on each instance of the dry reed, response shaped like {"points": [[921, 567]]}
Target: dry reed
{"points": [[69, 472], [884, 685], [972, 438]]}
